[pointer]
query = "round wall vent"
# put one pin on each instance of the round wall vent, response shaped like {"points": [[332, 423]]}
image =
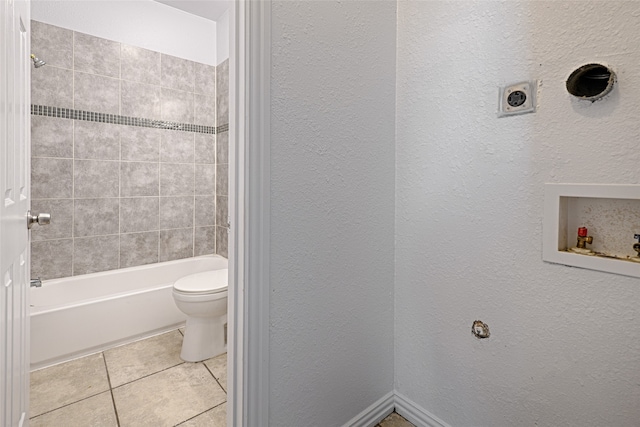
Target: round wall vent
{"points": [[591, 82]]}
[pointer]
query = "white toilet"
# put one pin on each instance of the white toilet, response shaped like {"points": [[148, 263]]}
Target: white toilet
{"points": [[203, 298]]}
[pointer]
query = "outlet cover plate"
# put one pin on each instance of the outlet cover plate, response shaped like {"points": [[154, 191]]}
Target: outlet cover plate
{"points": [[518, 98]]}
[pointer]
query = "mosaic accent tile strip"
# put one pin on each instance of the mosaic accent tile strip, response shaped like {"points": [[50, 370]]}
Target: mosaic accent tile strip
{"points": [[69, 113], [222, 128]]}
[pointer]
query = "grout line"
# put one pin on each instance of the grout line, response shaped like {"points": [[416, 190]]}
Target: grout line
{"points": [[73, 161], [120, 189], [193, 217], [159, 142], [73, 180], [113, 400], [148, 375], [69, 404], [214, 377], [53, 240], [215, 181], [197, 415], [117, 234], [73, 69]]}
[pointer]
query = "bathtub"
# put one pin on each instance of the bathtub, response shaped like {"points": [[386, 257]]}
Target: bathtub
{"points": [[80, 315]]}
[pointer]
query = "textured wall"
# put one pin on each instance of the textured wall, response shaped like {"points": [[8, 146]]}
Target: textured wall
{"points": [[565, 343], [333, 97], [120, 195]]}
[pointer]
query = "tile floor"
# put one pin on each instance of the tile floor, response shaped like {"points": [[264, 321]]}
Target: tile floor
{"points": [[144, 383], [394, 420]]}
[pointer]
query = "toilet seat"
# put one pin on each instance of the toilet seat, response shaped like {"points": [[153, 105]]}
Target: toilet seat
{"points": [[207, 282]]}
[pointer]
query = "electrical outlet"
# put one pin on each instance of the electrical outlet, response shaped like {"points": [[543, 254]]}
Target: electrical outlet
{"points": [[519, 98]]}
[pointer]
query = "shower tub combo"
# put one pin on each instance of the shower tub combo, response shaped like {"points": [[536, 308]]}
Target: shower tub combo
{"points": [[80, 315]]}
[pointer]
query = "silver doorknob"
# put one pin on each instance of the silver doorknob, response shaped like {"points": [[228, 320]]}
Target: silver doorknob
{"points": [[41, 219]]}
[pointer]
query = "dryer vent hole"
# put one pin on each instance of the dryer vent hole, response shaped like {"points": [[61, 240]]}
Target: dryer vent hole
{"points": [[516, 98], [591, 82]]}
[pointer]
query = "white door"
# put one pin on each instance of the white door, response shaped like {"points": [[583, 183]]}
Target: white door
{"points": [[14, 190]]}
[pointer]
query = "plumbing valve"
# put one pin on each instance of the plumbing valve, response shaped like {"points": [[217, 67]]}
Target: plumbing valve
{"points": [[583, 239], [636, 246]]}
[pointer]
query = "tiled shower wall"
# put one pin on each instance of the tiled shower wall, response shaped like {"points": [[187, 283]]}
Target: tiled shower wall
{"points": [[122, 195], [222, 157]]}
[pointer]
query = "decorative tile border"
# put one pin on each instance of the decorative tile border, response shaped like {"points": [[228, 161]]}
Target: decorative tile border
{"points": [[69, 113]]}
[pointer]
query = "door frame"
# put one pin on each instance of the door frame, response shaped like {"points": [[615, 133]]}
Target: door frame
{"points": [[249, 212]]}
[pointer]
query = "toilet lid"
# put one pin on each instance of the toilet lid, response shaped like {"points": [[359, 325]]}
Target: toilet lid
{"points": [[208, 281]]}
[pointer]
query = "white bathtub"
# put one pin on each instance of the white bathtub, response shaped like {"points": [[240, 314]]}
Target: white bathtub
{"points": [[80, 315]]}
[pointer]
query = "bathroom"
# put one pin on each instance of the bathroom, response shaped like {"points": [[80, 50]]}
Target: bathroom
{"points": [[142, 180]]}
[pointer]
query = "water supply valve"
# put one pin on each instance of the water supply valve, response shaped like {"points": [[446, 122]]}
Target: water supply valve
{"points": [[636, 246], [581, 245], [583, 239]]}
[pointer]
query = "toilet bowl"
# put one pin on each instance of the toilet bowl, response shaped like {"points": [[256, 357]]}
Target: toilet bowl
{"points": [[203, 298]]}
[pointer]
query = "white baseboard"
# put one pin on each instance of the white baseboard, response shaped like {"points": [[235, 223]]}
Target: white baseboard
{"points": [[391, 401], [415, 414], [374, 413]]}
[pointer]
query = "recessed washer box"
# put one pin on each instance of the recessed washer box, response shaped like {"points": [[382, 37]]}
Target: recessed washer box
{"points": [[610, 212]]}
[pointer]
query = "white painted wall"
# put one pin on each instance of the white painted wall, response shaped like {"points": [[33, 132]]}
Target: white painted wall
{"points": [[332, 189], [142, 23], [222, 37], [565, 343]]}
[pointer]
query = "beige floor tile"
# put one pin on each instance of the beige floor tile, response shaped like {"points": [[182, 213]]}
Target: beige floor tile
{"points": [[141, 358], [218, 366], [168, 397], [395, 420], [67, 383], [216, 417], [96, 411]]}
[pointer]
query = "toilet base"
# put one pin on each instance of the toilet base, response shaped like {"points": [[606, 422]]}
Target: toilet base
{"points": [[204, 338]]}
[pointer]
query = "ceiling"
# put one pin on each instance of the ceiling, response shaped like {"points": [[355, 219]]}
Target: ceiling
{"points": [[208, 9]]}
